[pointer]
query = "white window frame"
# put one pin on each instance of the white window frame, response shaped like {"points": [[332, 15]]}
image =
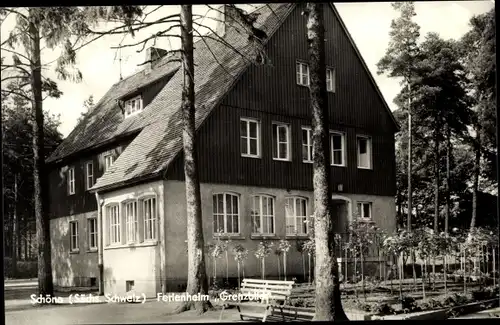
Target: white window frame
{"points": [[302, 70], [109, 160], [360, 211], [368, 149], [330, 80], [89, 176], [73, 235], [308, 145], [150, 232], [115, 237], [343, 149], [92, 234], [127, 106], [260, 198], [292, 220], [247, 138], [71, 181], [279, 125], [131, 221], [225, 214]]}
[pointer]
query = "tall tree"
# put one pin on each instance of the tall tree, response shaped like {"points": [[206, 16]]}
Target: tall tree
{"points": [[478, 50], [197, 277], [23, 76], [328, 300], [398, 62]]}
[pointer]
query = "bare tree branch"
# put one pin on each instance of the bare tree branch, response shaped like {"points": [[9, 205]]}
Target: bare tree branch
{"points": [[144, 41], [10, 10], [215, 57], [12, 92], [219, 39], [16, 53], [6, 66]]}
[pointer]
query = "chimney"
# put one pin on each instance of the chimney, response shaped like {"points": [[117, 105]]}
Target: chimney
{"points": [[153, 56], [226, 16]]}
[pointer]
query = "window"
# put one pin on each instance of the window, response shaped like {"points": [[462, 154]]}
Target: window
{"points": [[364, 152], [249, 138], [365, 210], [281, 141], [129, 285], [149, 212], [108, 162], [307, 146], [330, 80], [302, 74], [131, 221], [337, 148], [73, 229], [114, 224], [89, 170], [92, 231], [296, 216], [71, 181], [226, 213], [133, 106], [263, 215]]}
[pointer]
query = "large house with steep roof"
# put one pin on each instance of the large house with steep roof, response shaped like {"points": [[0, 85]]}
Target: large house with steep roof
{"points": [[117, 203]]}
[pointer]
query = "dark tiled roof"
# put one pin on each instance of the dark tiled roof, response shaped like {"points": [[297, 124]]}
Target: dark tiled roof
{"points": [[106, 120], [159, 142]]}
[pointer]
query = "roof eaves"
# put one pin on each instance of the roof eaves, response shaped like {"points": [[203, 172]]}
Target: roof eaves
{"points": [[360, 57], [128, 182]]}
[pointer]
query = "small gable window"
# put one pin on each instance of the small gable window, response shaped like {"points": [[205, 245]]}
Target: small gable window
{"points": [[133, 106]]}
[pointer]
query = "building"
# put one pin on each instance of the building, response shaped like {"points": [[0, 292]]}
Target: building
{"points": [[121, 169]]}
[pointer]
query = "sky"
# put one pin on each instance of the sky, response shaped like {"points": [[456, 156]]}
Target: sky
{"points": [[367, 22]]}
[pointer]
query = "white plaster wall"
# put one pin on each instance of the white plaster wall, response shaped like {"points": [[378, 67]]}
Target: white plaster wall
{"points": [[383, 212], [70, 268], [138, 262]]}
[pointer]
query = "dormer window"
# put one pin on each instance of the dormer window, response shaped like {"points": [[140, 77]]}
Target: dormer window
{"points": [[133, 106]]}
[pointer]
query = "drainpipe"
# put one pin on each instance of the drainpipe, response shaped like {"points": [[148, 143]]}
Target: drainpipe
{"points": [[100, 232]]}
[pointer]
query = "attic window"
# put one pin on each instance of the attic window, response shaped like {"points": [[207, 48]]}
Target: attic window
{"points": [[133, 106]]}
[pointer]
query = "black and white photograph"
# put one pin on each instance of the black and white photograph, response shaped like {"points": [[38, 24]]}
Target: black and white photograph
{"points": [[250, 162]]}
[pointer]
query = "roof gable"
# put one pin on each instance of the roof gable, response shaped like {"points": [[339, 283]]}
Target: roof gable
{"points": [[217, 69], [158, 144], [106, 120]]}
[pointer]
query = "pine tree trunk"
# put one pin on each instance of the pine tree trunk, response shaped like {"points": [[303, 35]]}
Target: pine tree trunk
{"points": [[476, 172], [448, 180], [197, 278], [328, 303], [15, 231], [45, 284], [436, 181], [410, 163]]}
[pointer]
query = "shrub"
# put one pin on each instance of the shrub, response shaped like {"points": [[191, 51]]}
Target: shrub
{"points": [[409, 305], [382, 309]]}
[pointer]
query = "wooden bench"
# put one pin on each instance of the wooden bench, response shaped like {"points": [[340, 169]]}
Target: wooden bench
{"points": [[256, 297], [283, 313]]}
